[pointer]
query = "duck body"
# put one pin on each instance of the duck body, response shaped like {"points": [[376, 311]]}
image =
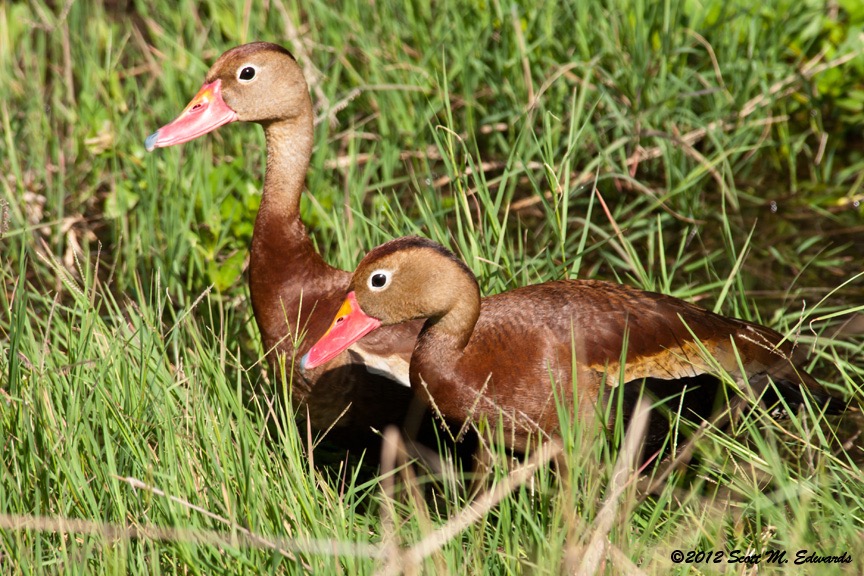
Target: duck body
{"points": [[513, 354], [294, 292]]}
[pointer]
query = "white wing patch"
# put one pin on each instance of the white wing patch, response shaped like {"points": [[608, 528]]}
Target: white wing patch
{"points": [[392, 366]]}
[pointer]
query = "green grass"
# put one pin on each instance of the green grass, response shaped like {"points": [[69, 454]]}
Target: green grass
{"points": [[643, 142]]}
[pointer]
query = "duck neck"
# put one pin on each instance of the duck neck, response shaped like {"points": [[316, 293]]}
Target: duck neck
{"points": [[454, 327], [442, 343], [289, 148], [284, 267]]}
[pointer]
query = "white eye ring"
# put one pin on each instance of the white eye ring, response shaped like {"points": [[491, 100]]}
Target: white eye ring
{"points": [[243, 68], [377, 277]]}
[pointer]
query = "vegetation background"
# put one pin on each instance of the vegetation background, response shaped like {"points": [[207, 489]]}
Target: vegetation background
{"points": [[708, 149]]}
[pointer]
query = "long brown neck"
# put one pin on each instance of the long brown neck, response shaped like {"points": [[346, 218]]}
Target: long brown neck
{"points": [[284, 266], [442, 342], [289, 148]]}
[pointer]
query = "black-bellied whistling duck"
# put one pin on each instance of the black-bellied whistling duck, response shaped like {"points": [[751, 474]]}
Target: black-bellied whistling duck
{"points": [[500, 355], [293, 290]]}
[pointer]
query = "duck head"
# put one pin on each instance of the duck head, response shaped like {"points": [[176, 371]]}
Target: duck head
{"points": [[258, 82], [405, 279]]}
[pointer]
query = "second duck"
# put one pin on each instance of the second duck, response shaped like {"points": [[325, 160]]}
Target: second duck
{"points": [[512, 354]]}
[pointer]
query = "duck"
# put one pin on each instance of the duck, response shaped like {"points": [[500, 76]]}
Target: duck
{"points": [[293, 291], [508, 357]]}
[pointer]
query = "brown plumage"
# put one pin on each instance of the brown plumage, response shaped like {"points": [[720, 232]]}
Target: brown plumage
{"points": [[294, 292], [500, 355]]}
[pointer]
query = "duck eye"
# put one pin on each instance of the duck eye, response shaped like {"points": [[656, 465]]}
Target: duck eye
{"points": [[379, 279], [246, 73]]}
